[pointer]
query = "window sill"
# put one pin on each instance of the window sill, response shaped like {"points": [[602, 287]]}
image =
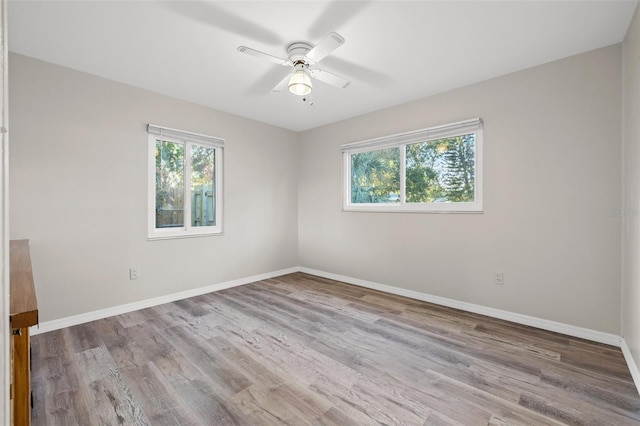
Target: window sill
{"points": [[173, 236], [406, 208]]}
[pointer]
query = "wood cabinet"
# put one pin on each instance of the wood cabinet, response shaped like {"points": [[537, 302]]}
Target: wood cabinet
{"points": [[23, 308]]}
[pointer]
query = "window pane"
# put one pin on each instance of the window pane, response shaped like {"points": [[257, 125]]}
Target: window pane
{"points": [[169, 184], [375, 176], [202, 186], [441, 171]]}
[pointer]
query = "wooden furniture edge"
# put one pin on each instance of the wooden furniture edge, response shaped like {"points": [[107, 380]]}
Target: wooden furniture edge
{"points": [[23, 305], [23, 313]]}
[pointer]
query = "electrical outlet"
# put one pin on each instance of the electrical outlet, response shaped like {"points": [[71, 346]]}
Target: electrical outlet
{"points": [[134, 273], [498, 278]]}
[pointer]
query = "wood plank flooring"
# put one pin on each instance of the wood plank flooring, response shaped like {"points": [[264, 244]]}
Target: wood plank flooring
{"points": [[303, 350]]}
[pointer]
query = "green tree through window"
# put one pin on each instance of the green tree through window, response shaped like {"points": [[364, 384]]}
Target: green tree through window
{"points": [[438, 169], [169, 184], [441, 170], [375, 176], [185, 183]]}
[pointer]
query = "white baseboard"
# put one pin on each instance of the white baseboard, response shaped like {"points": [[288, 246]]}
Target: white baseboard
{"points": [[558, 327], [570, 330], [633, 367], [129, 307]]}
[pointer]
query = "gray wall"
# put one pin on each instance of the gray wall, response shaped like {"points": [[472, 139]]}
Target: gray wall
{"points": [[78, 191], [551, 169], [631, 195]]}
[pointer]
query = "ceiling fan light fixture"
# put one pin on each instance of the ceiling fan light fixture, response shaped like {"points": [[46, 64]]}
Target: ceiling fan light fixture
{"points": [[300, 83]]}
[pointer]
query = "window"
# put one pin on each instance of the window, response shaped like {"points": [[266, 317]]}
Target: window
{"points": [[431, 170], [185, 184]]}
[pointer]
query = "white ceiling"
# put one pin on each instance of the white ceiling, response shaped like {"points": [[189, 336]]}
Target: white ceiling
{"points": [[394, 51]]}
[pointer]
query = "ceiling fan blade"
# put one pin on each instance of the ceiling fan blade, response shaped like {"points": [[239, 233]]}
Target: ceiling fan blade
{"points": [[330, 78], [209, 14], [365, 74], [258, 54], [328, 44], [284, 83], [335, 15]]}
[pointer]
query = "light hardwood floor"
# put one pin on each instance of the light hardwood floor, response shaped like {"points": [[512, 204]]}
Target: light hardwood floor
{"points": [[301, 350]]}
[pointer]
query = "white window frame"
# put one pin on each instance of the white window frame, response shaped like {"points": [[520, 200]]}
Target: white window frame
{"points": [[399, 141], [188, 139]]}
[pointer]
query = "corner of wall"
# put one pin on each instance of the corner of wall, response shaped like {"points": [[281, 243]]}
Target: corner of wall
{"points": [[630, 181]]}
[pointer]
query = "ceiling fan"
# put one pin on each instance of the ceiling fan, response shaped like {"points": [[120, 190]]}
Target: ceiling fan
{"points": [[303, 57]]}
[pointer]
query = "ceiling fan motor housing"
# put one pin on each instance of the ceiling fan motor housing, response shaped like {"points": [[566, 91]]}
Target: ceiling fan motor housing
{"points": [[297, 51]]}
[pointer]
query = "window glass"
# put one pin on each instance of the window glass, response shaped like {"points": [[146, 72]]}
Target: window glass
{"points": [[169, 184], [441, 171], [375, 176], [202, 186]]}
